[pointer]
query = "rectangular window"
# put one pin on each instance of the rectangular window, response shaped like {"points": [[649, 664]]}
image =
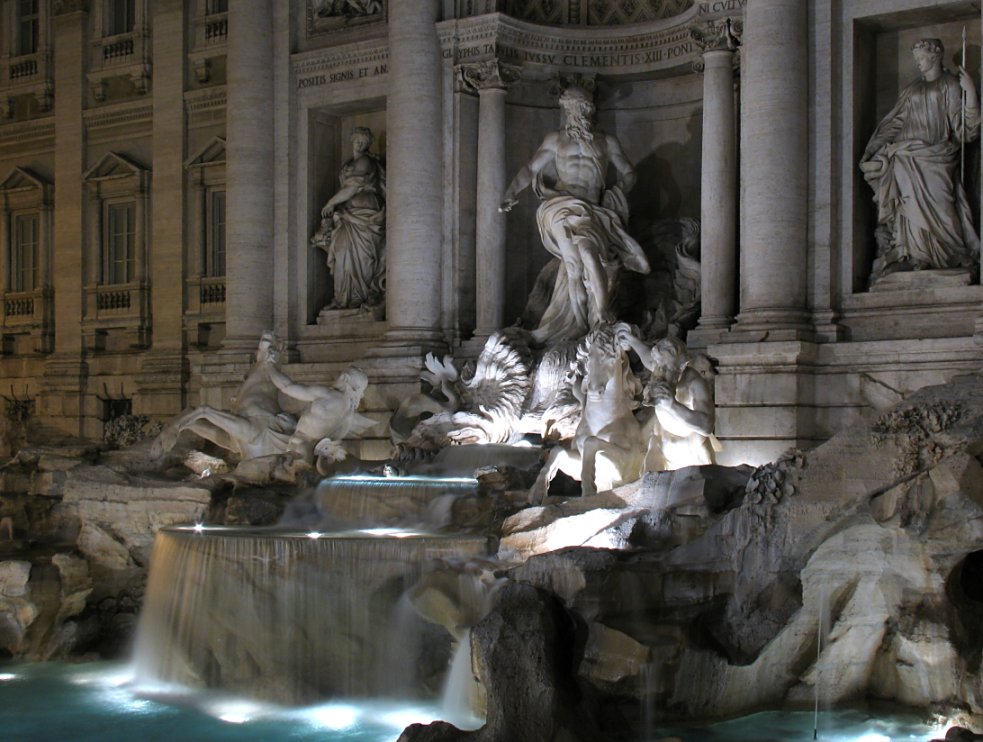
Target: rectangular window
{"points": [[28, 25], [120, 242], [24, 257], [119, 16], [215, 254], [216, 6]]}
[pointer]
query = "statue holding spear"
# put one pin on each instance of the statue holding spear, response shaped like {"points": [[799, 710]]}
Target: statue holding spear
{"points": [[924, 220]]}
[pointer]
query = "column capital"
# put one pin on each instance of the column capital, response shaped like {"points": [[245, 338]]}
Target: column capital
{"points": [[719, 36], [490, 74]]}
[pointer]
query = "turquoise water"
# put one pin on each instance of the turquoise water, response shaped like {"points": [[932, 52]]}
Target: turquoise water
{"points": [[96, 701], [849, 725]]}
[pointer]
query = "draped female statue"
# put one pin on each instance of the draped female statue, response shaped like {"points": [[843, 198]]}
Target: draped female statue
{"points": [[912, 162], [353, 228]]}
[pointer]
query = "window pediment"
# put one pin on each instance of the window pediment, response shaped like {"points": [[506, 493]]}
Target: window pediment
{"points": [[22, 178], [114, 165], [116, 175], [212, 153], [24, 188]]}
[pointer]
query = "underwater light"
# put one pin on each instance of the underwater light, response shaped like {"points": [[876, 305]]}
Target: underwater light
{"points": [[333, 716], [106, 678], [6, 676], [314, 534], [873, 737], [199, 528], [234, 712]]}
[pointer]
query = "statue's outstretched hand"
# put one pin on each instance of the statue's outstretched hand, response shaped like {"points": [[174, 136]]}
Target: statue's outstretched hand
{"points": [[507, 203]]}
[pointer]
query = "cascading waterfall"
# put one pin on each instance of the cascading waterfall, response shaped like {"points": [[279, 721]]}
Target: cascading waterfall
{"points": [[387, 500], [460, 702], [284, 616]]}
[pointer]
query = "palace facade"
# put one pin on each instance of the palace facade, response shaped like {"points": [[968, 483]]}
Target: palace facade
{"points": [[164, 163]]}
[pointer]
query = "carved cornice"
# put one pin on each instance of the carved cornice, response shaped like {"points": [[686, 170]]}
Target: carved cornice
{"points": [[205, 105], [28, 136], [653, 46], [489, 74], [64, 7], [128, 113], [342, 57], [540, 51]]}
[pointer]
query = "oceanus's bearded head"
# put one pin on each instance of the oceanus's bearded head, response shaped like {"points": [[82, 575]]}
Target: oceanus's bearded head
{"points": [[579, 109]]}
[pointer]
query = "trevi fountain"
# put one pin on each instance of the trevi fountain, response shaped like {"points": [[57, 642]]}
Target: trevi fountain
{"points": [[677, 434]]}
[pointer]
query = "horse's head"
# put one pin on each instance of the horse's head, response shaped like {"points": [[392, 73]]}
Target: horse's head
{"points": [[605, 359]]}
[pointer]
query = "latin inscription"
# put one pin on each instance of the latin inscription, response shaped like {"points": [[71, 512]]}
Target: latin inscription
{"points": [[343, 75], [722, 6]]}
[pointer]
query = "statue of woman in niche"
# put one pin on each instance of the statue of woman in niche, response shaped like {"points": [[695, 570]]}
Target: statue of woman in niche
{"points": [[353, 228], [912, 163]]}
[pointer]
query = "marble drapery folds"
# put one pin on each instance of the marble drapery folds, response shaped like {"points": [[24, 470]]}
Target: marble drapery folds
{"points": [[912, 164]]}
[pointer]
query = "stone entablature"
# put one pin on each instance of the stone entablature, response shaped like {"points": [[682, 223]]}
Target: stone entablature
{"points": [[117, 121], [653, 47], [341, 64], [206, 106], [21, 138]]}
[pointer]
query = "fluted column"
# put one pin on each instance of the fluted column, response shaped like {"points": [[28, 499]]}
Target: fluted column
{"points": [[718, 185], [774, 167], [414, 175], [249, 174], [491, 80]]}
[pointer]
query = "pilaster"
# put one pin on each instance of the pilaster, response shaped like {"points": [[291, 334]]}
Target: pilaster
{"points": [[161, 380], [64, 401]]}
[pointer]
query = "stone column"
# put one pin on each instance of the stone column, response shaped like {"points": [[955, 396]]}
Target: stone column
{"points": [[249, 174], [718, 185], [491, 80], [774, 169], [414, 176]]}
